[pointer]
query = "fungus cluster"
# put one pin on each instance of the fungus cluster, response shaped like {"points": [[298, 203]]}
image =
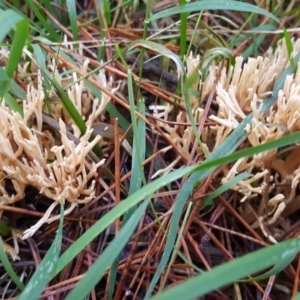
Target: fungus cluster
{"points": [[240, 90], [33, 154]]}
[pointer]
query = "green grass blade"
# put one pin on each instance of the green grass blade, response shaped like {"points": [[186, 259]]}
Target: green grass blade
{"points": [[183, 30], [213, 5], [162, 50], [71, 4], [139, 142], [8, 20], [175, 250], [19, 40], [67, 103], [5, 83], [96, 271], [13, 104], [186, 94], [17, 91], [42, 275], [297, 297], [102, 26], [279, 266], [253, 48], [73, 112], [289, 46], [5, 230], [111, 109], [107, 11], [8, 268], [65, 100], [53, 35], [227, 147], [223, 188], [231, 271], [138, 156]]}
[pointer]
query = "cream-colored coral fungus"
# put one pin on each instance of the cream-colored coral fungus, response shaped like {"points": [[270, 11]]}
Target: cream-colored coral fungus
{"points": [[240, 90], [55, 165]]}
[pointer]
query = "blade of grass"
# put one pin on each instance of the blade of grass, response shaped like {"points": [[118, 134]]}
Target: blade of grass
{"points": [[5, 83], [23, 14], [42, 275], [17, 91], [65, 100], [97, 270], [112, 110], [289, 46], [18, 43], [8, 20], [162, 50], [138, 156], [115, 213], [223, 188], [142, 52], [213, 55], [139, 143], [71, 4], [183, 30], [175, 250], [107, 11], [53, 35], [277, 268], [188, 262], [102, 26], [13, 104], [213, 5], [71, 109], [67, 103], [5, 230], [231, 271], [8, 268]]}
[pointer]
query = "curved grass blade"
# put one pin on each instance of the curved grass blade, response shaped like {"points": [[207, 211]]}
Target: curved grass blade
{"points": [[213, 5], [183, 30], [162, 50], [139, 142], [8, 20], [231, 271], [71, 4], [53, 35], [223, 188], [18, 43], [42, 275], [8, 268], [5, 83], [96, 271], [17, 91], [65, 100], [279, 266], [13, 104], [137, 177]]}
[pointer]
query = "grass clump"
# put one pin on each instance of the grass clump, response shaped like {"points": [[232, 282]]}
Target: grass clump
{"points": [[149, 151]]}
